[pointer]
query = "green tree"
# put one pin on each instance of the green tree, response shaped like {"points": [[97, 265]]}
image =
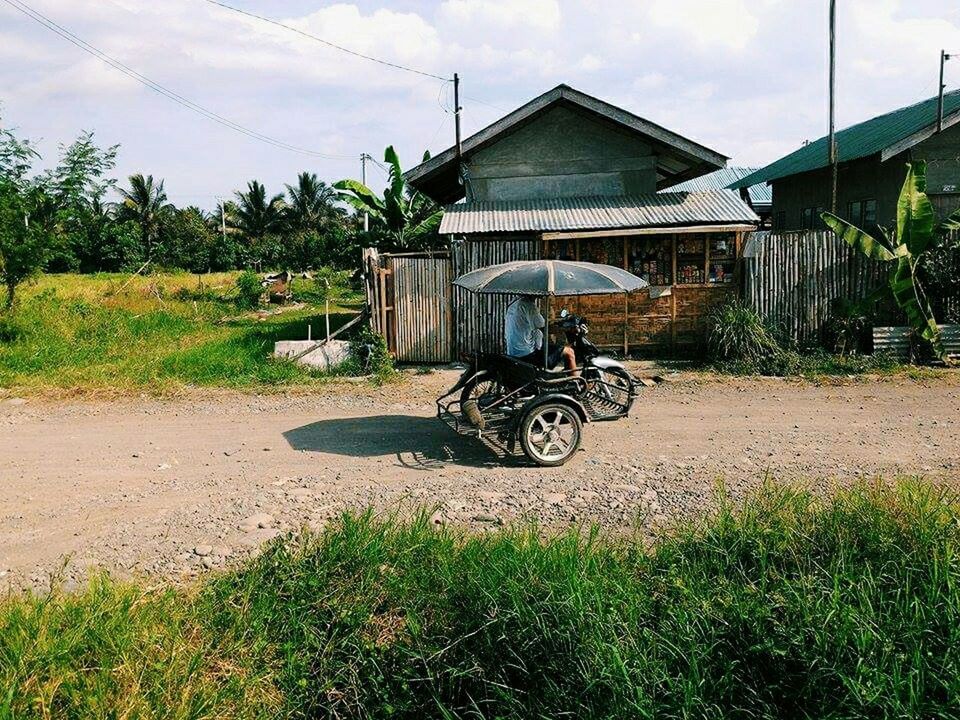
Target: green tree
{"points": [[188, 241], [255, 216], [402, 218], [312, 204], [145, 203], [24, 243], [917, 232]]}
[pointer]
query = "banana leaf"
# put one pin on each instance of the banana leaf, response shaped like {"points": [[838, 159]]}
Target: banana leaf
{"points": [[857, 238], [360, 196], [916, 217], [951, 223], [913, 301]]}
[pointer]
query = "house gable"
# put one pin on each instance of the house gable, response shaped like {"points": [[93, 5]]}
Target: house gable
{"points": [[564, 152]]}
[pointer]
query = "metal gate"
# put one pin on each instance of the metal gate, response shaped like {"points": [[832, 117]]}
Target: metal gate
{"points": [[411, 303]]}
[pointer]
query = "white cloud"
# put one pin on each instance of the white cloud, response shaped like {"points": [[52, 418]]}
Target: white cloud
{"points": [[747, 78], [469, 15]]}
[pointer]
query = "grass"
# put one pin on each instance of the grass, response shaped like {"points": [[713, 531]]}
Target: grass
{"points": [[155, 333], [787, 606]]}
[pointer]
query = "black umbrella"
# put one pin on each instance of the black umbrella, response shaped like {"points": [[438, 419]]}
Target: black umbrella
{"points": [[547, 278]]}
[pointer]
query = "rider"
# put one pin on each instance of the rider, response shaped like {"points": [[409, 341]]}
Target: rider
{"points": [[524, 334]]}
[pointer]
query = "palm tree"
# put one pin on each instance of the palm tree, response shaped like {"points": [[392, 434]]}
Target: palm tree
{"points": [[146, 204], [405, 218], [312, 203], [255, 216]]}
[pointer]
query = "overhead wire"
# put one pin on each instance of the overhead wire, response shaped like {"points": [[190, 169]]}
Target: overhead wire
{"points": [[157, 87], [341, 48]]}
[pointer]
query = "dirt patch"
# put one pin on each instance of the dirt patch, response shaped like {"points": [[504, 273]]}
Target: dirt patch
{"points": [[174, 487]]}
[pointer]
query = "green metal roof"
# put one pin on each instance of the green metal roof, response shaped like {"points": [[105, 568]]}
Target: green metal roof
{"points": [[857, 141]]}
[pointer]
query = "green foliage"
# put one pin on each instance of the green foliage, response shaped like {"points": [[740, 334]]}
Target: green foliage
{"points": [[145, 203], [848, 329], [24, 243], [917, 231], [736, 333], [369, 356], [155, 333], [402, 218], [249, 290], [788, 605]]}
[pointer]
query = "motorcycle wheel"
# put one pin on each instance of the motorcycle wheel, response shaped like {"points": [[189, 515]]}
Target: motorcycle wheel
{"points": [[550, 434], [483, 388], [616, 385]]}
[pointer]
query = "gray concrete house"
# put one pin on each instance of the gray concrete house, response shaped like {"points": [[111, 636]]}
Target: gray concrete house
{"points": [[570, 176], [871, 156]]}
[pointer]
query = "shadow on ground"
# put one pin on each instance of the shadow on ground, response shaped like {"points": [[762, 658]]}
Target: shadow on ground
{"points": [[416, 441]]}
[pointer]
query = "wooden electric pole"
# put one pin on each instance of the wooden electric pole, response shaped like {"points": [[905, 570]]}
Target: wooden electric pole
{"points": [[363, 179], [833, 88], [456, 115], [944, 56]]}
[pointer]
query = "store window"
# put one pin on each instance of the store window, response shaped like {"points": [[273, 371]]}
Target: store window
{"points": [[723, 257], [691, 259], [606, 251], [651, 258]]}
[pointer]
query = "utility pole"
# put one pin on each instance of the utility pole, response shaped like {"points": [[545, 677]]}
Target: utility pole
{"points": [[944, 56], [833, 84], [456, 115], [363, 179]]}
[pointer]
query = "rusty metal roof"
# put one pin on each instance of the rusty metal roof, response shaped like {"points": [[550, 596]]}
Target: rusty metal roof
{"points": [[667, 209]]}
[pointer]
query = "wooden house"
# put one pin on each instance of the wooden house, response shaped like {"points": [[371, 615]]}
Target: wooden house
{"points": [[570, 176], [871, 166]]}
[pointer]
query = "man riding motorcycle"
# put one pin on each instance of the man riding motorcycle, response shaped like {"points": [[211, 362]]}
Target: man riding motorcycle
{"points": [[523, 330]]}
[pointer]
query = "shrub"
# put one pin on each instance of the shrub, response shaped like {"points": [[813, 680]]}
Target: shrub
{"points": [[10, 329], [369, 356], [735, 332], [848, 329], [249, 290]]}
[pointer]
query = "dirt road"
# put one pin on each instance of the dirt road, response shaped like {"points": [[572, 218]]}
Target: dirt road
{"points": [[171, 487]]}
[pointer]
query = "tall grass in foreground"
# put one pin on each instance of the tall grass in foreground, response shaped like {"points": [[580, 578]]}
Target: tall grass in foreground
{"points": [[785, 607]]}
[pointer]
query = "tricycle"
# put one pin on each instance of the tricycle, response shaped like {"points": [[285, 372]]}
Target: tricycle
{"points": [[542, 408]]}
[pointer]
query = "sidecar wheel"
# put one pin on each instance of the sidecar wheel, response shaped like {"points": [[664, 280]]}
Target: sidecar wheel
{"points": [[483, 389], [550, 434]]}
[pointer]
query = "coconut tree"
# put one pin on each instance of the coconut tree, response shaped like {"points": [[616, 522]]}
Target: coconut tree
{"points": [[312, 204], [404, 218], [256, 217], [146, 204], [917, 231]]}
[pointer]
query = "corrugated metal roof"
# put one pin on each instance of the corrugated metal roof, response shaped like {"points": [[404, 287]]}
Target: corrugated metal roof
{"points": [[761, 194], [669, 209], [857, 141]]}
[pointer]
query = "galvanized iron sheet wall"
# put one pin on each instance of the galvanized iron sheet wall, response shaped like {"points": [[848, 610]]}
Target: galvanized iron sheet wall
{"points": [[480, 318]]}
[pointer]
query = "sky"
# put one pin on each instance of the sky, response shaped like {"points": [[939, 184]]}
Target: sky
{"points": [[745, 78]]}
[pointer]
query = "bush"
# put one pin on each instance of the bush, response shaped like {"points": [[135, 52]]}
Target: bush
{"points": [[10, 329], [848, 329], [735, 332], [249, 290], [369, 356]]}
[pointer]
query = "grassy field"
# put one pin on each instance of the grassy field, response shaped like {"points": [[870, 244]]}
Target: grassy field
{"points": [[785, 607], [155, 333]]}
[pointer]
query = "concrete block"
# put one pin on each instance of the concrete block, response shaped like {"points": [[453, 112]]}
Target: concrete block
{"points": [[324, 358]]}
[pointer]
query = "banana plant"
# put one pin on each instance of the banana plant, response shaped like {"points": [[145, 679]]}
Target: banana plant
{"points": [[408, 218], [917, 231]]}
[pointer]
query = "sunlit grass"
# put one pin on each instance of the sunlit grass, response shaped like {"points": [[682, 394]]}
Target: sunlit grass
{"points": [[786, 606], [153, 333]]}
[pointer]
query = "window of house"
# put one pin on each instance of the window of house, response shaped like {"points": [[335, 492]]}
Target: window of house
{"points": [[781, 222], [810, 218], [862, 212]]}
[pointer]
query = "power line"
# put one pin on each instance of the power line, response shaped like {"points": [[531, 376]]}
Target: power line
{"points": [[157, 87], [305, 34]]}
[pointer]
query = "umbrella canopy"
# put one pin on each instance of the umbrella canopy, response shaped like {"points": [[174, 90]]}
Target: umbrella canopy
{"points": [[549, 278]]}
